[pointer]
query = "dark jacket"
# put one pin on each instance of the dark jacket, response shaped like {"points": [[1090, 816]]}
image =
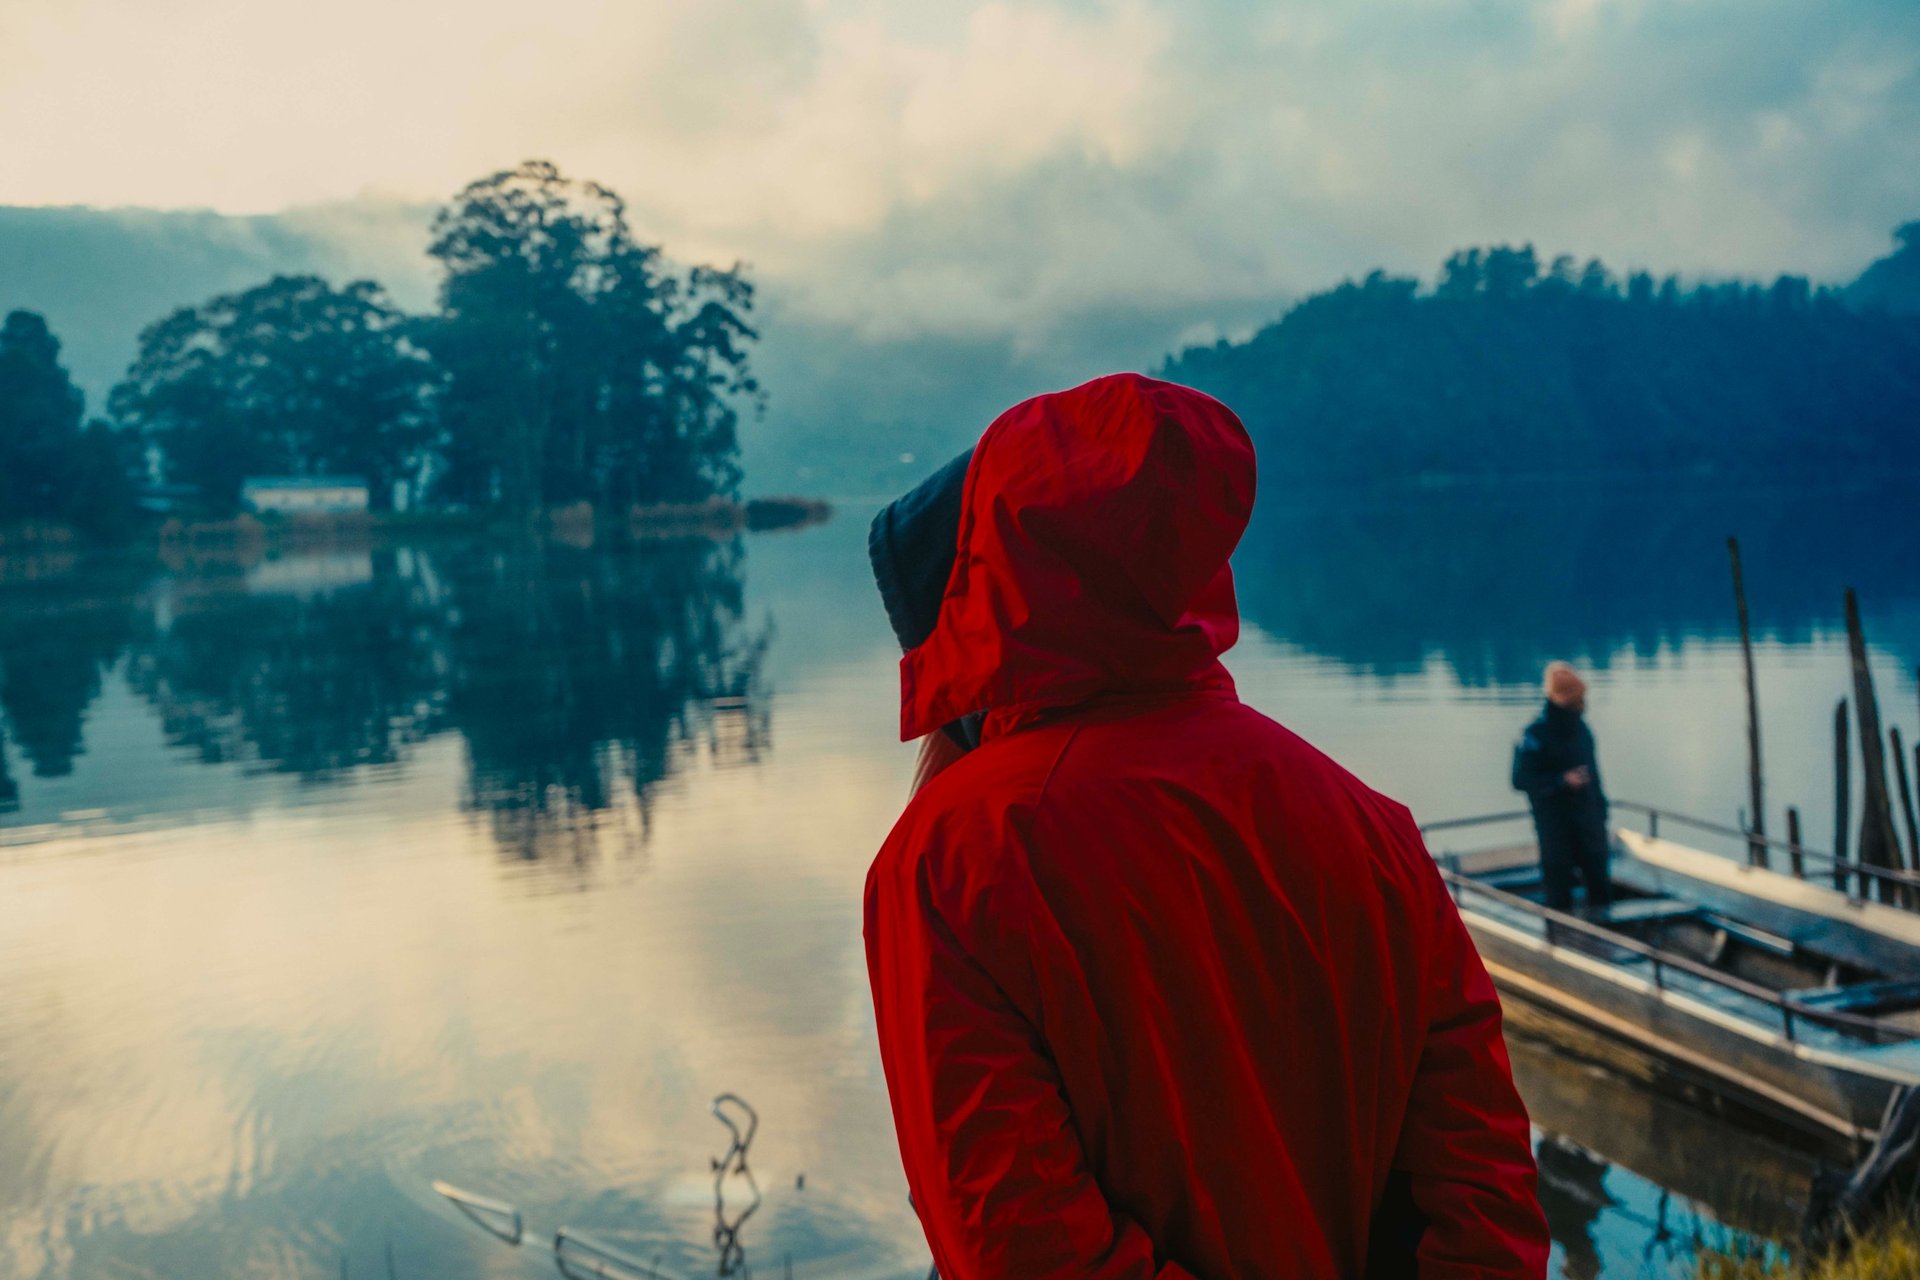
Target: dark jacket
{"points": [[1559, 740], [1160, 990]]}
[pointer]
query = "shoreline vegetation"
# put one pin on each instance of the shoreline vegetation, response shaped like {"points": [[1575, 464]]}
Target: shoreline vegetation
{"points": [[1888, 1252], [575, 524], [246, 537]]}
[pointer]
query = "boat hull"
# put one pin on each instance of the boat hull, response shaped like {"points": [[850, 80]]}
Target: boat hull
{"points": [[1831, 1094]]}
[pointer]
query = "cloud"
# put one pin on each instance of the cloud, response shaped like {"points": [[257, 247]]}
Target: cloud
{"points": [[1295, 144], [992, 181], [1210, 155], [767, 110], [1713, 134]]}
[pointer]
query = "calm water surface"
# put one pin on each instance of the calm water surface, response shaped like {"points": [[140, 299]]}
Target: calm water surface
{"points": [[325, 877]]}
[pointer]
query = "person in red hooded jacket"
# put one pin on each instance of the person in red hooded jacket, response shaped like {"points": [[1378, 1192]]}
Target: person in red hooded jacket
{"points": [[1161, 991]]}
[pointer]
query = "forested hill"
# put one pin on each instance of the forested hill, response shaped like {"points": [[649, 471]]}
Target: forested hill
{"points": [[1508, 369], [1892, 283]]}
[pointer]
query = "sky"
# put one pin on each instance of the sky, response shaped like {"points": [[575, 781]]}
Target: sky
{"points": [[1010, 172]]}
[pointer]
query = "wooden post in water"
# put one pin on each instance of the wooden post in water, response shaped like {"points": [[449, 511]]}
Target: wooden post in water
{"points": [[1842, 796], [1879, 846], [1795, 858], [1757, 845], [1906, 792]]}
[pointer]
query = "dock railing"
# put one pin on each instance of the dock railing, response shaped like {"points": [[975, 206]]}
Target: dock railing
{"points": [[1555, 924]]}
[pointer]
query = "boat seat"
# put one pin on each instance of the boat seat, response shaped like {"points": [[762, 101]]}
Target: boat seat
{"points": [[1599, 947], [1752, 935], [1640, 910], [1511, 879], [1861, 996]]}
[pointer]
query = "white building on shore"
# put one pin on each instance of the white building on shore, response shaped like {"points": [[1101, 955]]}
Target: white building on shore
{"points": [[298, 495]]}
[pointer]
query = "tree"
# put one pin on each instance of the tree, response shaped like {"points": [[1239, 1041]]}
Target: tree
{"points": [[1596, 281], [579, 363], [1461, 275], [292, 377], [40, 412], [1511, 271], [1892, 283], [51, 469], [1508, 371]]}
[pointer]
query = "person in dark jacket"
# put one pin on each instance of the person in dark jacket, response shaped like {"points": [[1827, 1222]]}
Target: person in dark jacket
{"points": [[1161, 992], [1556, 765]]}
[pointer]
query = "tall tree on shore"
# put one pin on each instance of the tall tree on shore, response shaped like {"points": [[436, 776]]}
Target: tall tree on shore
{"points": [[51, 468], [40, 412], [292, 377], [579, 363]]}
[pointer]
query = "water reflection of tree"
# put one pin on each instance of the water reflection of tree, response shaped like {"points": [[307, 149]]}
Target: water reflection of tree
{"points": [[307, 682], [580, 681], [56, 642], [1492, 581], [9, 789]]}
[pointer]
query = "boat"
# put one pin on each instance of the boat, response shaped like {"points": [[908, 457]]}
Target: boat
{"points": [[1795, 995]]}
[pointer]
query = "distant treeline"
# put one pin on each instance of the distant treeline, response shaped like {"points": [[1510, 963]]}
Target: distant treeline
{"points": [[567, 363], [1509, 367]]}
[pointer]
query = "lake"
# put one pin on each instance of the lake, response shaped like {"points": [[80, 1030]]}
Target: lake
{"points": [[329, 876]]}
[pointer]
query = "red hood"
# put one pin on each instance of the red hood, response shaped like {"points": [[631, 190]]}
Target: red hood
{"points": [[1095, 528]]}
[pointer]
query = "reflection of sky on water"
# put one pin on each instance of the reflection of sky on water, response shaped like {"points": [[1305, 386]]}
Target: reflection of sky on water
{"points": [[434, 865], [238, 1024]]}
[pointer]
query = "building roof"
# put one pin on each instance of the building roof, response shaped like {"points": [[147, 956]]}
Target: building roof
{"points": [[303, 482]]}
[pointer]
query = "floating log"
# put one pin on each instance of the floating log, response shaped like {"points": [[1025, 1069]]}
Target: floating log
{"points": [[1756, 847], [1879, 846], [1842, 796]]}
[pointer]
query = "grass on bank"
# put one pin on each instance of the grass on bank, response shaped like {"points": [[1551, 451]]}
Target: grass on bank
{"points": [[1886, 1253]]}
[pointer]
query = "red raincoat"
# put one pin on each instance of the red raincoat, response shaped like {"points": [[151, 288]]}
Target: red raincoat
{"points": [[1160, 989]]}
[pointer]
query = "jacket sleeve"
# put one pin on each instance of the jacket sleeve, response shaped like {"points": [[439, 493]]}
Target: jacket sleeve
{"points": [[993, 1160], [1531, 773], [1464, 1147]]}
